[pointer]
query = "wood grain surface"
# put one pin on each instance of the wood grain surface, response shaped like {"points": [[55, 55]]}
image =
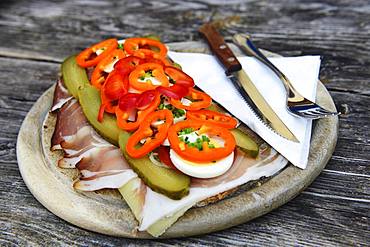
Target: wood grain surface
{"points": [[36, 35]]}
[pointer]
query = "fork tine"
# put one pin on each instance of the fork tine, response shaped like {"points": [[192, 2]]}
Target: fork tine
{"points": [[316, 112], [312, 110], [305, 114], [324, 111], [311, 114]]}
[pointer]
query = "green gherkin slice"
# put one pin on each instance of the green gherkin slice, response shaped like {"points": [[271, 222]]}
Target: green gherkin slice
{"points": [[90, 102], [73, 75], [160, 179], [243, 141]]}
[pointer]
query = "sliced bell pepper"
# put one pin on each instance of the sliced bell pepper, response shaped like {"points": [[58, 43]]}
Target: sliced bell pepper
{"points": [[145, 99], [213, 117], [89, 58], [205, 153], [164, 156], [138, 79], [138, 47], [99, 75], [199, 100], [114, 87], [128, 64], [178, 75], [153, 138], [159, 60], [175, 91], [124, 114], [128, 101]]}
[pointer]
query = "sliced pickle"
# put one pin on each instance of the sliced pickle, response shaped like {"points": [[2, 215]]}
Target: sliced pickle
{"points": [[90, 102], [243, 140], [73, 75], [245, 143], [160, 179]]}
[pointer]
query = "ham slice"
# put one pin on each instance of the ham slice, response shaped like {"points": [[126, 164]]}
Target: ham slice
{"points": [[61, 95], [70, 117], [101, 164]]}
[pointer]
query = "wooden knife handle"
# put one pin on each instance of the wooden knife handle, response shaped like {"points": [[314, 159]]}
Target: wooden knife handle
{"points": [[220, 48]]}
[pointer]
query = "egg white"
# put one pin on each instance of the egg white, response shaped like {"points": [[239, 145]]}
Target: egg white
{"points": [[203, 170]]}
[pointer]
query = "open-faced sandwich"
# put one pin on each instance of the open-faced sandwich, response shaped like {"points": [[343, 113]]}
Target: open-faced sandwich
{"points": [[129, 118]]}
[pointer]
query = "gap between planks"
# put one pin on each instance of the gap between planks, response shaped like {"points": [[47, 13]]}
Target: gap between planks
{"points": [[336, 197], [346, 173], [29, 56]]}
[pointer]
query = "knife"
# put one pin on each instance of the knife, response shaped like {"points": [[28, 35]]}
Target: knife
{"points": [[243, 83]]}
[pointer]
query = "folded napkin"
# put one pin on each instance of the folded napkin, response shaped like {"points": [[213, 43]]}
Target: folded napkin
{"points": [[303, 73]]}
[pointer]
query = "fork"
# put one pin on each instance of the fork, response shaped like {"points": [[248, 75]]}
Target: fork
{"points": [[296, 103]]}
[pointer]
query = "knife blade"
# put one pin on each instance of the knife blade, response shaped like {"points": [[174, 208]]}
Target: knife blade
{"points": [[243, 83]]}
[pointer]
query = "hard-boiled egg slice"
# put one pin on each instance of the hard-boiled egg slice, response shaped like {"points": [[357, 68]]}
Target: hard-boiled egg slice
{"points": [[203, 170]]}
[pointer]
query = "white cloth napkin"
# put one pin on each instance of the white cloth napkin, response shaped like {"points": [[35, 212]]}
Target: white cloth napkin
{"points": [[302, 71]]}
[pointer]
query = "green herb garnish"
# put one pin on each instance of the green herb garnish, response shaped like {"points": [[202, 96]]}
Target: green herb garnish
{"points": [[186, 131]]}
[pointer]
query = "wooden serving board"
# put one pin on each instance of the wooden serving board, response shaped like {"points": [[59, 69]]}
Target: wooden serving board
{"points": [[105, 212]]}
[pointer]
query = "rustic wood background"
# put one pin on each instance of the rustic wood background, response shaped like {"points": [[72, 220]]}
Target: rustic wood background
{"points": [[36, 35]]}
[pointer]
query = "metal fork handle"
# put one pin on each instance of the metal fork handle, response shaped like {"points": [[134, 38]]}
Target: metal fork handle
{"points": [[250, 48]]}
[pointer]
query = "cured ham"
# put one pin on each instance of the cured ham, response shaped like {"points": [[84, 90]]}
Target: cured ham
{"points": [[101, 164], [70, 119], [61, 95]]}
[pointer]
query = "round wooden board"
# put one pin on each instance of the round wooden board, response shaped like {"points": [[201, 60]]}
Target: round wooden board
{"points": [[106, 212]]}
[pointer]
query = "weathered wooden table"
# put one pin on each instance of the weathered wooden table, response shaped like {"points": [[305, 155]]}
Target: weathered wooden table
{"points": [[36, 35]]}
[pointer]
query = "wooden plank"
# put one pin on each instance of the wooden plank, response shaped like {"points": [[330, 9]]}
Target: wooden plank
{"points": [[308, 220], [336, 30]]}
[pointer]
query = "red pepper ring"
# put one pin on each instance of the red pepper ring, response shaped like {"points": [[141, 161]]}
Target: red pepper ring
{"points": [[145, 99], [140, 72], [111, 91], [98, 76], [101, 112], [185, 83], [201, 100], [161, 61], [115, 85], [207, 154], [178, 75], [128, 101], [164, 156], [88, 57], [136, 47], [124, 114], [175, 91], [145, 131], [126, 65], [213, 117]]}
